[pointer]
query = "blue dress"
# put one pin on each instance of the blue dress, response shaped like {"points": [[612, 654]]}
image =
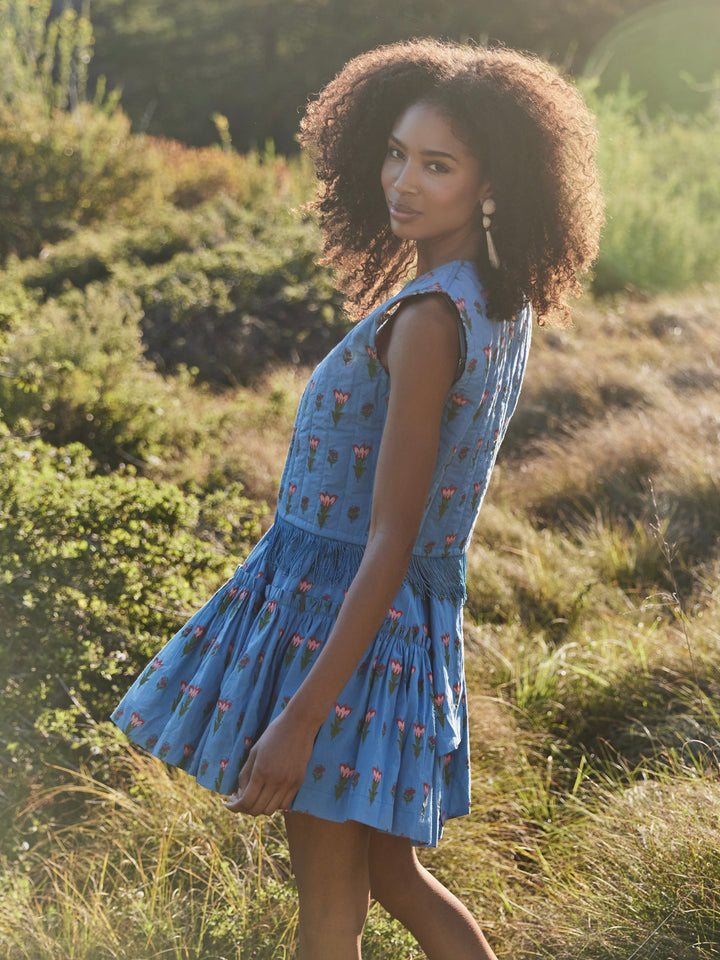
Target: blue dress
{"points": [[393, 753]]}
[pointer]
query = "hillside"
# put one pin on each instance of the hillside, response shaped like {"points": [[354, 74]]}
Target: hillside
{"points": [[593, 635]]}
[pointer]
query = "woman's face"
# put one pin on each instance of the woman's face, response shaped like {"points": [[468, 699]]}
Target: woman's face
{"points": [[433, 186]]}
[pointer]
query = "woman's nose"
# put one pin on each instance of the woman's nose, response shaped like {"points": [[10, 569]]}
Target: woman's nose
{"points": [[405, 181]]}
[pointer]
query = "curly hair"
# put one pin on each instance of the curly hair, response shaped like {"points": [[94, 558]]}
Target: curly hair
{"points": [[535, 141]]}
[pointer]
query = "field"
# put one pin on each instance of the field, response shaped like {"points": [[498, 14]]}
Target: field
{"points": [[160, 309]]}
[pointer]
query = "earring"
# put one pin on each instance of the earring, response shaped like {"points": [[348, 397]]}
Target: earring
{"points": [[488, 209]]}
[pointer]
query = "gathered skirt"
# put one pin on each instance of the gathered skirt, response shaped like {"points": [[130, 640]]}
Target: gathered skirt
{"points": [[393, 752]]}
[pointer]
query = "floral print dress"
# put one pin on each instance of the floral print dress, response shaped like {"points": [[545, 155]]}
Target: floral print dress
{"points": [[393, 753]]}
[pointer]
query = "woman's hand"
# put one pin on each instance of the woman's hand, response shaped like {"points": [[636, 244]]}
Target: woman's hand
{"points": [[275, 767]]}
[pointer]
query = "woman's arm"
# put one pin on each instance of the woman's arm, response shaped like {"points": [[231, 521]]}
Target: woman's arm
{"points": [[421, 359]]}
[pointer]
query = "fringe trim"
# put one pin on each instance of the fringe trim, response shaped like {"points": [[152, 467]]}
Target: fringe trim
{"points": [[304, 553]]}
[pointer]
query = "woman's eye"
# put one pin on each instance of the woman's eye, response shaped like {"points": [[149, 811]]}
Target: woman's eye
{"points": [[437, 167], [394, 153]]}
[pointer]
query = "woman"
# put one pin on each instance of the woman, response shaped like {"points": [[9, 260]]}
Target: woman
{"points": [[326, 678]]}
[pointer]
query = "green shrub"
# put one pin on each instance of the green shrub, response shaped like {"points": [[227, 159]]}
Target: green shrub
{"points": [[96, 572], [76, 371], [68, 169], [662, 186]]}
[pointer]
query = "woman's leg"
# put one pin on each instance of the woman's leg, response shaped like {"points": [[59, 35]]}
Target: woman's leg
{"points": [[442, 926], [330, 862]]}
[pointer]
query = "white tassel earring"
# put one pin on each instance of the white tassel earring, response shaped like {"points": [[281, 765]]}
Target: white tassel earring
{"points": [[488, 209]]}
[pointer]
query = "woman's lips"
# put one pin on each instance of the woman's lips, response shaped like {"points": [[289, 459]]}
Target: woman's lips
{"points": [[402, 213]]}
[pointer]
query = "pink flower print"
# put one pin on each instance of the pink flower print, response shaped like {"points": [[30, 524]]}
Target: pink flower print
{"points": [[439, 701], [192, 692], [447, 494], [318, 401], [477, 488], [270, 608], [296, 641], [222, 708], [155, 665], [222, 767], [164, 750], [292, 488], [332, 457], [347, 773], [401, 732], [301, 589], [426, 792], [364, 725], [242, 664], [188, 751], [372, 360], [428, 548], [161, 684], [227, 599], [311, 645], [203, 768], [135, 721], [342, 712], [431, 744], [478, 412], [495, 439], [396, 670], [366, 410], [457, 401], [457, 687], [304, 502], [197, 635], [449, 540], [488, 354], [471, 366], [377, 777], [347, 356], [419, 733], [378, 670], [394, 615], [460, 304], [317, 773], [408, 795], [436, 285], [258, 667], [463, 453], [313, 443], [446, 643], [353, 513], [446, 763], [361, 452], [340, 400], [326, 502], [178, 698]]}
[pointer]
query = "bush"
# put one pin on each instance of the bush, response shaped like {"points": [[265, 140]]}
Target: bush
{"points": [[662, 188], [97, 571], [76, 372], [68, 169]]}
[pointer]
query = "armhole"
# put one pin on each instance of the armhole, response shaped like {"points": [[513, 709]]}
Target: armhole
{"points": [[384, 322]]}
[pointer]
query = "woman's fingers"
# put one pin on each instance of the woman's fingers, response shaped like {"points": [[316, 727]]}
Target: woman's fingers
{"points": [[258, 793]]}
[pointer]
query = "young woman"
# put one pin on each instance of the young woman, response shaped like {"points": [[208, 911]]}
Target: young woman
{"points": [[325, 679]]}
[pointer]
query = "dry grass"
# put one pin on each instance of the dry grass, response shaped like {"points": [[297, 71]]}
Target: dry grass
{"points": [[593, 637]]}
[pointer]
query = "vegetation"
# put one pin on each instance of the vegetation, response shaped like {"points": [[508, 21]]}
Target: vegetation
{"points": [[149, 371]]}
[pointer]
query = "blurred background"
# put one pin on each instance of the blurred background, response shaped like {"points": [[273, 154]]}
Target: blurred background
{"points": [[161, 306]]}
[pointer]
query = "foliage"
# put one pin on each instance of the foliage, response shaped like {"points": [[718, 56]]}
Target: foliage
{"points": [[67, 169], [258, 62], [662, 188], [94, 570]]}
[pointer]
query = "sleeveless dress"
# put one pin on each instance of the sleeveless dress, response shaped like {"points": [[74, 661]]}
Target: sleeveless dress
{"points": [[393, 753]]}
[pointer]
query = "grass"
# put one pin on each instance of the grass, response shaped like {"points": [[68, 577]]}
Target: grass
{"points": [[593, 637]]}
